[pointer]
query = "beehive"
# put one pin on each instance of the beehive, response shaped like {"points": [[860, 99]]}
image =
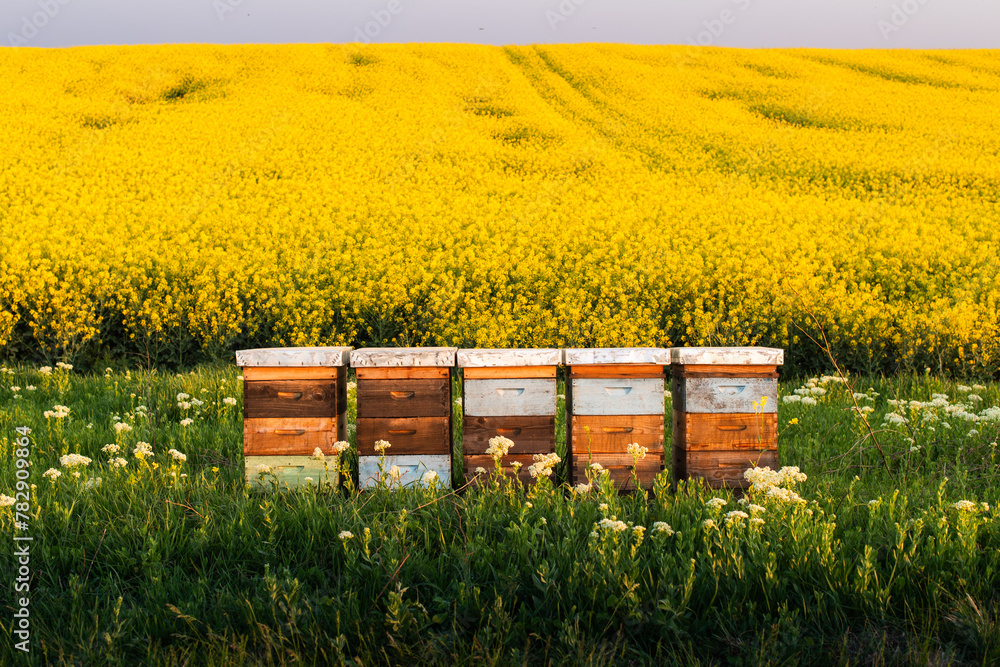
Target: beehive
{"points": [[294, 402], [404, 398], [725, 412], [615, 396], [509, 393]]}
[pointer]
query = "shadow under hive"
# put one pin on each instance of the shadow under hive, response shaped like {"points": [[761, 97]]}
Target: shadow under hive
{"points": [[404, 398], [615, 397], [721, 427], [509, 393], [294, 402]]}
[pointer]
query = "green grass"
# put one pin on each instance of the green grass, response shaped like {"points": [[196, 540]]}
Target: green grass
{"points": [[152, 568]]}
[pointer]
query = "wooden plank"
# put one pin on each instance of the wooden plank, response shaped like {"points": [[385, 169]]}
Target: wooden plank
{"points": [[718, 395], [470, 463], [258, 373], [472, 373], [508, 357], [295, 357], [620, 469], [403, 357], [628, 396], [531, 435], [612, 434], [733, 356], [289, 398], [513, 397], [718, 468], [609, 356], [725, 431], [291, 436], [291, 472], [404, 398], [720, 371], [617, 371], [403, 373], [411, 468], [407, 435]]}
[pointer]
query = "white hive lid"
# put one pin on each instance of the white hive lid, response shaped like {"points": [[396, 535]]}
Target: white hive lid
{"points": [[294, 356], [616, 355], [375, 357], [485, 358], [728, 356]]}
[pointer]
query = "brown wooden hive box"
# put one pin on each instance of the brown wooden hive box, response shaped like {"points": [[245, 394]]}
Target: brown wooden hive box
{"points": [[404, 398], [725, 413], [509, 393], [294, 402], [615, 397]]}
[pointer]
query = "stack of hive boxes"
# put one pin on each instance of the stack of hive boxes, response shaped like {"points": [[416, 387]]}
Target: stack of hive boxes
{"points": [[615, 397], [725, 405], [404, 398], [294, 402], [509, 393]]}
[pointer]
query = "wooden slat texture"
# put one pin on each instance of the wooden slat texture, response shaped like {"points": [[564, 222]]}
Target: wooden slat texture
{"points": [[725, 431], [407, 435], [531, 435], [291, 472], [617, 371], [612, 434], [404, 398], [715, 395], [289, 436], [470, 464], [258, 373], [620, 468], [702, 371], [402, 373], [627, 396], [719, 468], [471, 373], [412, 469], [510, 397], [289, 398]]}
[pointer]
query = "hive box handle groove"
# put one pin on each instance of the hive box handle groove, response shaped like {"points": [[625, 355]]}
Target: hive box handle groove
{"points": [[508, 431], [617, 391], [732, 427], [402, 431], [617, 429], [291, 395], [401, 395], [731, 389], [510, 392], [289, 431]]}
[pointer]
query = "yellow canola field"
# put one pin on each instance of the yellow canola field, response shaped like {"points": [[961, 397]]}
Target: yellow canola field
{"points": [[189, 200]]}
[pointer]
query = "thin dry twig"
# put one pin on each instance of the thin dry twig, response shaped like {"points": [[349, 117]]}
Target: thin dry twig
{"points": [[829, 353]]}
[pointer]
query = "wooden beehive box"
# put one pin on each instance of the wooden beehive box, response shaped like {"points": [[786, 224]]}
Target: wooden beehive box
{"points": [[509, 393], [404, 398], [614, 397], [718, 432], [294, 401]]}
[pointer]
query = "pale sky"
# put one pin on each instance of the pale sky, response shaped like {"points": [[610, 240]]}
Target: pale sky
{"points": [[924, 24]]}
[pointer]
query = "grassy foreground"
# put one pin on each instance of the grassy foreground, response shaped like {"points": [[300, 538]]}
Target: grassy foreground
{"points": [[174, 562]]}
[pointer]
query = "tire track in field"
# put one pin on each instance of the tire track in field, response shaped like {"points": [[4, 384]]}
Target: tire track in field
{"points": [[587, 109]]}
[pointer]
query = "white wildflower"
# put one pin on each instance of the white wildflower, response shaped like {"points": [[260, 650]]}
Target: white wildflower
{"points": [[142, 450], [808, 400], [345, 535], [74, 460], [229, 400], [317, 455], [429, 476], [187, 421], [715, 503], [263, 469], [118, 462], [736, 515], [381, 446], [966, 506], [178, 456], [663, 528], [52, 474], [636, 451], [791, 398]]}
